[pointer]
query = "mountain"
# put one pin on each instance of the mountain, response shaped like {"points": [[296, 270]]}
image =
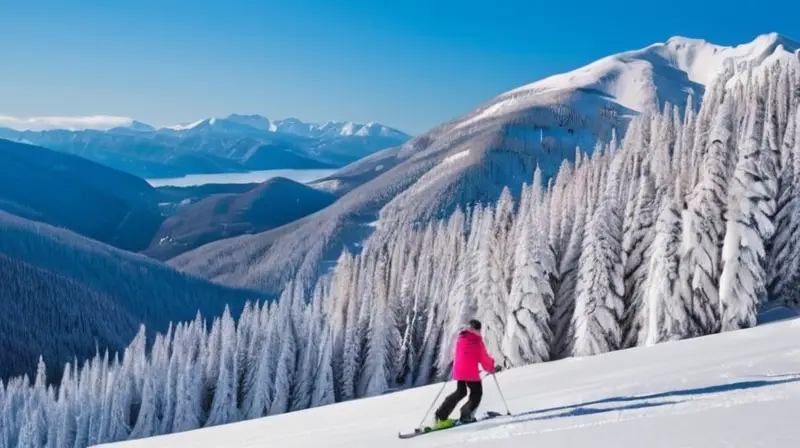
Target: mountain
{"points": [[213, 145], [271, 204], [473, 157], [85, 197], [64, 295]]}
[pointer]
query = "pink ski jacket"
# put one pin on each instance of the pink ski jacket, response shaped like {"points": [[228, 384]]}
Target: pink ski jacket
{"points": [[471, 351]]}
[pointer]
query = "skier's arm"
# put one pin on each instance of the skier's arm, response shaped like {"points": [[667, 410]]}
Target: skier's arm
{"points": [[487, 362]]}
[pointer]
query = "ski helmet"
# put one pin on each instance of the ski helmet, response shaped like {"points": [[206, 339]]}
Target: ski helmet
{"points": [[475, 324]]}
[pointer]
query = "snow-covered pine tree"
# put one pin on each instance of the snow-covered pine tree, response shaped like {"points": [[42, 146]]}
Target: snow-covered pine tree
{"points": [[663, 314], [342, 296], [322, 392], [224, 407], [491, 293], [260, 396], [287, 360], [351, 349], [189, 387], [638, 246], [750, 212], [528, 336], [383, 338], [564, 306], [308, 367], [152, 394], [782, 250], [702, 247], [600, 288]]}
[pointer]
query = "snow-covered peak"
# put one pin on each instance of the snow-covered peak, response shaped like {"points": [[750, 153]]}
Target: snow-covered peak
{"points": [[255, 121], [646, 78], [77, 123], [187, 126], [337, 129]]}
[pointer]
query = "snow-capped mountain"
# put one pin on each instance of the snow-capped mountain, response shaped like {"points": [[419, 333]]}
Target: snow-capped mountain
{"points": [[210, 145], [471, 158], [643, 79], [294, 126]]}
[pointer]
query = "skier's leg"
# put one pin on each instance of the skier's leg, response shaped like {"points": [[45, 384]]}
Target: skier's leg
{"points": [[450, 402], [475, 395]]}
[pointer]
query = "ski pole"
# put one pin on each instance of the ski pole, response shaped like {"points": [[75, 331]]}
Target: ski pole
{"points": [[433, 404], [508, 411]]}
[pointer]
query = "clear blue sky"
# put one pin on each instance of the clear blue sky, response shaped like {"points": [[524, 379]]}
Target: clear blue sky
{"points": [[406, 63]]}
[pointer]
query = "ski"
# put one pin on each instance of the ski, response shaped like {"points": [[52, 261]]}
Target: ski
{"points": [[428, 429]]}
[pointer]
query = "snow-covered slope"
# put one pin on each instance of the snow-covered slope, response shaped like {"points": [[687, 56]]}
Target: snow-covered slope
{"points": [[646, 78], [737, 389], [498, 144]]}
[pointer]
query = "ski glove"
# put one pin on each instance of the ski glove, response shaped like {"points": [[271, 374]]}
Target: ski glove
{"points": [[497, 369]]}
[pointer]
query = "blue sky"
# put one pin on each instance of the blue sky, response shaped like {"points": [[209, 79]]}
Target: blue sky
{"points": [[410, 63]]}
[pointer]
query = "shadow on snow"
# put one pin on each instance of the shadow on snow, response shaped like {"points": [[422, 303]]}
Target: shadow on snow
{"points": [[576, 410]]}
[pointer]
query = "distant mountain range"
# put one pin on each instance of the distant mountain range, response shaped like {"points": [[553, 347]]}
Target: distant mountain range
{"points": [[473, 157], [213, 145]]}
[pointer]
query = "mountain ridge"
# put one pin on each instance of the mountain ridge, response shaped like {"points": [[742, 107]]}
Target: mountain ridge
{"points": [[289, 125]]}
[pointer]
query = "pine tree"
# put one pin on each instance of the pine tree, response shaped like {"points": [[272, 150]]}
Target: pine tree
{"points": [[663, 316], [189, 389], [706, 229], [260, 395], [528, 337], [600, 287], [323, 393], [638, 249], [383, 339], [223, 408], [286, 367], [491, 297], [308, 366], [751, 208], [782, 251], [564, 306]]}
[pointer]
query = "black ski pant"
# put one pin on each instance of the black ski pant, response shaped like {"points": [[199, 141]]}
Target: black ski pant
{"points": [[451, 401]]}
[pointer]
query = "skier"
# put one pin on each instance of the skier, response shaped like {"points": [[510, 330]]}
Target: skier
{"points": [[469, 353]]}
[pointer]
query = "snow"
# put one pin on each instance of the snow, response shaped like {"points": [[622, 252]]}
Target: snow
{"points": [[187, 126], [640, 79], [301, 128], [736, 389], [456, 156]]}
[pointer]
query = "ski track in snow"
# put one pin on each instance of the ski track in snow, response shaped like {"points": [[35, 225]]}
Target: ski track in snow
{"points": [[738, 389]]}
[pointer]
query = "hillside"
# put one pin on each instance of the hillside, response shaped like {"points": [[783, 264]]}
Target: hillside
{"points": [[235, 143], [739, 389], [63, 293], [74, 193], [271, 204], [473, 157]]}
